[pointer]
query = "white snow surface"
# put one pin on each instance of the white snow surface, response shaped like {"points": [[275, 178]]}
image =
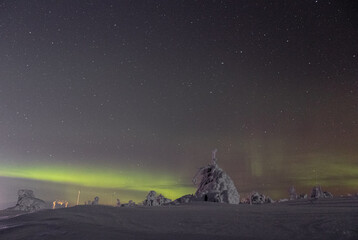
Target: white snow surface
{"points": [[334, 218]]}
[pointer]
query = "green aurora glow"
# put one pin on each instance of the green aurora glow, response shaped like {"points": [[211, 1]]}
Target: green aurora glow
{"points": [[328, 175], [101, 178]]}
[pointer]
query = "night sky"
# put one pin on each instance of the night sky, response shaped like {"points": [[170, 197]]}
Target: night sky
{"points": [[115, 98]]}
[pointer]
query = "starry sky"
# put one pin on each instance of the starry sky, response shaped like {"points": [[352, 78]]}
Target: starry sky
{"points": [[115, 98]]}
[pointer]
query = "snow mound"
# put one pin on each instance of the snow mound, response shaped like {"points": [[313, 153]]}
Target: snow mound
{"points": [[318, 193], [27, 202], [257, 198], [302, 196], [153, 199], [184, 199], [131, 203], [95, 201]]}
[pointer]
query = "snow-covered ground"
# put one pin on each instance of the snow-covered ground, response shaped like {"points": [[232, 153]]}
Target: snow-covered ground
{"points": [[335, 218]]}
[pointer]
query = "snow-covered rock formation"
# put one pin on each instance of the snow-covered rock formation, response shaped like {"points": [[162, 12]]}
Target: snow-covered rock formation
{"points": [[318, 193], [257, 198], [28, 202], [153, 199], [215, 185]]}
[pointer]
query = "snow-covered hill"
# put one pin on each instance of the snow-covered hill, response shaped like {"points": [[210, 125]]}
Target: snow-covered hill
{"points": [[335, 218]]}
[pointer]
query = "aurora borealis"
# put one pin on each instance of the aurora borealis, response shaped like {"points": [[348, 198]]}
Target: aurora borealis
{"points": [[115, 98], [100, 178]]}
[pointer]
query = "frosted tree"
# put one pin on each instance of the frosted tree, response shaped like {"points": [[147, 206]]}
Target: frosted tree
{"points": [[292, 192], [214, 185]]}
